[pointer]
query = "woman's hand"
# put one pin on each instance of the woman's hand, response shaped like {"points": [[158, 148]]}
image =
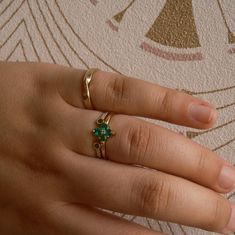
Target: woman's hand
{"points": [[52, 183]]}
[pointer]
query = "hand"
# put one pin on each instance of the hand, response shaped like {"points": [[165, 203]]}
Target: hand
{"points": [[52, 183]]}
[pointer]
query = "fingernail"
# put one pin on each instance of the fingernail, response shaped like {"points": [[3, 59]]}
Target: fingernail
{"points": [[231, 224], [227, 177], [201, 112]]}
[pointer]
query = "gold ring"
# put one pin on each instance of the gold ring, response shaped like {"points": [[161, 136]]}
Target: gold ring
{"points": [[85, 84], [102, 133]]}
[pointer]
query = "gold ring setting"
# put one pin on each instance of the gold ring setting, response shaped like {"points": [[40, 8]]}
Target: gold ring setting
{"points": [[102, 132]]}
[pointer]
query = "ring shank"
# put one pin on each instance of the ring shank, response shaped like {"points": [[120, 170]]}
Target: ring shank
{"points": [[101, 151], [85, 84]]}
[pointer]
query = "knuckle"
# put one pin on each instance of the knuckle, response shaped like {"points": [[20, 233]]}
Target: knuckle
{"points": [[117, 91], [201, 162], [167, 101], [219, 215], [152, 196], [139, 142], [207, 163]]}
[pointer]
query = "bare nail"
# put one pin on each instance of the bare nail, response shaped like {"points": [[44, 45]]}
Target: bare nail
{"points": [[227, 177], [201, 112]]}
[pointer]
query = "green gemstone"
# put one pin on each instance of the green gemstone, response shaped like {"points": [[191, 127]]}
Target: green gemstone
{"points": [[103, 132]]}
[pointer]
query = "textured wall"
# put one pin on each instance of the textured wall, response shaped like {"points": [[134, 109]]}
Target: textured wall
{"points": [[183, 44]]}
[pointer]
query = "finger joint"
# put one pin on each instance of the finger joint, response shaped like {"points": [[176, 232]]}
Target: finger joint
{"points": [[117, 92], [219, 216], [139, 142], [167, 102], [152, 196]]}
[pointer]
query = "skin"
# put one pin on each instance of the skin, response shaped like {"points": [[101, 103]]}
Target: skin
{"points": [[52, 183]]}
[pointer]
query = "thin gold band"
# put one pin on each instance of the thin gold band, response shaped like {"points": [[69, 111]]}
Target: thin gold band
{"points": [[85, 83]]}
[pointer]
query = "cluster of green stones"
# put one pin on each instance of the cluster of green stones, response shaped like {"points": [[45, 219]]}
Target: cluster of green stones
{"points": [[103, 131]]}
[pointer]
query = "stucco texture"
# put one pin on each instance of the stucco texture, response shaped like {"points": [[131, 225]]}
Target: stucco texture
{"points": [[187, 45]]}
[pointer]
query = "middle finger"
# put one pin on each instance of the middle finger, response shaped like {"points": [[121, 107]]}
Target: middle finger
{"points": [[142, 143]]}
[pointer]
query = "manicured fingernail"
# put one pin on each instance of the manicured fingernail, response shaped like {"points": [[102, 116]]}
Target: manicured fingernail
{"points": [[227, 177], [201, 112], [231, 224]]}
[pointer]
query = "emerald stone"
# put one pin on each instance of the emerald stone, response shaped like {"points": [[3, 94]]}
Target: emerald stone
{"points": [[103, 132]]}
